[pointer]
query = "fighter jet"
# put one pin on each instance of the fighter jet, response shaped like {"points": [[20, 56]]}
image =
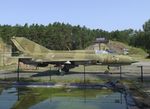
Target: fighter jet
{"points": [[35, 54]]}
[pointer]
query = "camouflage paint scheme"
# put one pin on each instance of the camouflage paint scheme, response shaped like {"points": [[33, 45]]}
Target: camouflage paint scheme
{"points": [[41, 56]]}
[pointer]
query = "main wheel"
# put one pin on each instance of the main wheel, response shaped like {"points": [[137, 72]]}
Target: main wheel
{"points": [[65, 69]]}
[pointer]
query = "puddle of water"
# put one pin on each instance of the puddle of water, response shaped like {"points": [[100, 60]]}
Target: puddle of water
{"points": [[88, 99], [112, 101], [8, 98], [48, 98]]}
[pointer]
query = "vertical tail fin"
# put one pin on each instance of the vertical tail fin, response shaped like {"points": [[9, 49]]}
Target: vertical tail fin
{"points": [[27, 46]]}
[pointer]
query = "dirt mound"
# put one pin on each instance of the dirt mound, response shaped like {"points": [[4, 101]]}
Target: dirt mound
{"points": [[119, 48]]}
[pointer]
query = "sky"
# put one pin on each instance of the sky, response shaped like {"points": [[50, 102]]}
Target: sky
{"points": [[109, 15]]}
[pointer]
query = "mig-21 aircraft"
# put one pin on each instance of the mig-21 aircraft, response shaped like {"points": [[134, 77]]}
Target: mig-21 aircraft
{"points": [[35, 54]]}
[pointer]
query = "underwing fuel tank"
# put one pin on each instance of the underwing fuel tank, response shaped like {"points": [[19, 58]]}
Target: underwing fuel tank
{"points": [[116, 59]]}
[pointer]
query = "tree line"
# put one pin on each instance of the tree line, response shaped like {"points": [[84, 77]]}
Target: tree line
{"points": [[57, 36], [60, 36], [141, 38]]}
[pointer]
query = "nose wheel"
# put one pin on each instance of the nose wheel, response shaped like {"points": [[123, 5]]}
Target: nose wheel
{"points": [[107, 71]]}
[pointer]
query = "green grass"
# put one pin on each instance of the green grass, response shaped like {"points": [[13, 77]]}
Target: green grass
{"points": [[9, 67], [91, 68], [67, 80], [138, 53]]}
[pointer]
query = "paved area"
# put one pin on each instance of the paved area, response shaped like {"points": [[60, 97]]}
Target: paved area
{"points": [[131, 72], [128, 72]]}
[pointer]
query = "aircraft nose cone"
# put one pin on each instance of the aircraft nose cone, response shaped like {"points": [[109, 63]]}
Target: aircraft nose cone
{"points": [[132, 60], [127, 59]]}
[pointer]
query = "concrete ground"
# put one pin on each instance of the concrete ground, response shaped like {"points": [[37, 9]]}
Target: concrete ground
{"points": [[128, 72], [131, 71], [92, 74]]}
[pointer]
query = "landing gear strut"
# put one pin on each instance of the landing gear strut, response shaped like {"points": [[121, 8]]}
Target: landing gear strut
{"points": [[65, 69]]}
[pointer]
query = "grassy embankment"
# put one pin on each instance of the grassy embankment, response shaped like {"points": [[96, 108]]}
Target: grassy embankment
{"points": [[136, 53]]}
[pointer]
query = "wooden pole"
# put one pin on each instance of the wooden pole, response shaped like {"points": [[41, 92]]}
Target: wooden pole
{"points": [[18, 70], [84, 75], [120, 72], [142, 79], [50, 78], [142, 74]]}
